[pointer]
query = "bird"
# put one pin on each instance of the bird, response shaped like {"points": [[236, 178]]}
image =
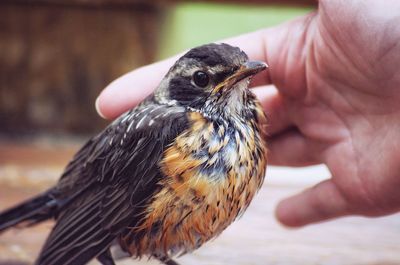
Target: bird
{"points": [[167, 175]]}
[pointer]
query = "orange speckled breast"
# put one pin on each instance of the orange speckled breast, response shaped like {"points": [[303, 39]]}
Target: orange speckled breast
{"points": [[213, 171]]}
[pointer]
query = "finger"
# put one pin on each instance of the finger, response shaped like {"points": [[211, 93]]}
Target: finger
{"points": [[291, 148], [128, 90], [277, 113], [321, 202]]}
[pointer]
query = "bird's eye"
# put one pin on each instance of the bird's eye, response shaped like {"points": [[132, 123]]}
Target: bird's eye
{"points": [[201, 79]]}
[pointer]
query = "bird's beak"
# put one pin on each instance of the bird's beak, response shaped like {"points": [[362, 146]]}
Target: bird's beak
{"points": [[248, 69]]}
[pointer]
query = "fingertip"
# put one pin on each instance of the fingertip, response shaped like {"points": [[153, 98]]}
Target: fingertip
{"points": [[319, 203], [98, 108], [109, 103], [284, 214]]}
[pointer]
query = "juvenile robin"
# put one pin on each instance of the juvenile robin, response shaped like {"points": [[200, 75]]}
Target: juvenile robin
{"points": [[166, 176]]}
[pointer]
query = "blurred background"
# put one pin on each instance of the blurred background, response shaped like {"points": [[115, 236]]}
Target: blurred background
{"points": [[56, 57]]}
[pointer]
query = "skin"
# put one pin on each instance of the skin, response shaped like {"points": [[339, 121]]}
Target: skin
{"points": [[332, 97]]}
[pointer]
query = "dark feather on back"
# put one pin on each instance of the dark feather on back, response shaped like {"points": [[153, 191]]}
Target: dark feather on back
{"points": [[112, 179]]}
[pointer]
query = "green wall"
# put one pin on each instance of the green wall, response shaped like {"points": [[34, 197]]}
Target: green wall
{"points": [[189, 25]]}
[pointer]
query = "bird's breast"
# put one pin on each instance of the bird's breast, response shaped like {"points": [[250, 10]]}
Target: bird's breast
{"points": [[212, 172]]}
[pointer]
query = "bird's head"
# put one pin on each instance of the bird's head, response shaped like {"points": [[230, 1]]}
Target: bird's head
{"points": [[209, 77]]}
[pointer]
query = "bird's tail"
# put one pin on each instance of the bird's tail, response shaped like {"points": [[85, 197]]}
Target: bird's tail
{"points": [[30, 212]]}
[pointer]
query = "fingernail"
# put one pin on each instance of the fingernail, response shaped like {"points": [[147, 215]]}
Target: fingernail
{"points": [[97, 105]]}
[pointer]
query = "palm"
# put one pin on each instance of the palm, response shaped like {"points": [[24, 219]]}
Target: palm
{"points": [[343, 102]]}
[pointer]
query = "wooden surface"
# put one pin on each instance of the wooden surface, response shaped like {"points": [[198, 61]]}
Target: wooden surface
{"points": [[55, 60], [255, 239]]}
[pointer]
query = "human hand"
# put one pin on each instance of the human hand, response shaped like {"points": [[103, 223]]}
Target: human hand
{"points": [[337, 102]]}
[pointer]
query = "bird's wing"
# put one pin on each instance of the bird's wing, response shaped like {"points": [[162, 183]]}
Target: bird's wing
{"points": [[109, 183]]}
